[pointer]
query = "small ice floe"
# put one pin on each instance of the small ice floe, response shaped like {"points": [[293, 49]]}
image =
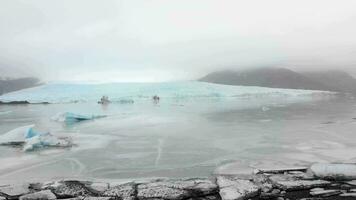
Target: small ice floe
{"points": [[31, 140], [69, 117], [265, 108], [334, 171]]}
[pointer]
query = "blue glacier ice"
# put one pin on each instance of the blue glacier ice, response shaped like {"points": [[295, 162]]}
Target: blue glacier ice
{"points": [[138, 92], [69, 117], [45, 140]]}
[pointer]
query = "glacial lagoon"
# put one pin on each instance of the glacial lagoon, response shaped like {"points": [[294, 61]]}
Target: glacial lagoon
{"points": [[193, 130]]}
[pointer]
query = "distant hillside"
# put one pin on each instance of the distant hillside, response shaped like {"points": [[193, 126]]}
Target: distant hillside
{"points": [[285, 78], [334, 79], [10, 85]]}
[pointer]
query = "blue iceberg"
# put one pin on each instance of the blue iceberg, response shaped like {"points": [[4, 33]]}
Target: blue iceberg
{"points": [[72, 117], [45, 140], [31, 139], [16, 136]]}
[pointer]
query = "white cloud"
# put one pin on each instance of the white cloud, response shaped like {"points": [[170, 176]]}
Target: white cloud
{"points": [[172, 39]]}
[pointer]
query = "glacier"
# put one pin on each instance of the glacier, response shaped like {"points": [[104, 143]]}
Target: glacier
{"points": [[137, 92]]}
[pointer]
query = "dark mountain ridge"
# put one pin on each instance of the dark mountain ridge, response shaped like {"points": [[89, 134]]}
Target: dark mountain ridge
{"points": [[10, 85], [284, 78], [336, 80]]}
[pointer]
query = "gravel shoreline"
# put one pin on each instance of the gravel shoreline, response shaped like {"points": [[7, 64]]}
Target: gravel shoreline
{"points": [[319, 181]]}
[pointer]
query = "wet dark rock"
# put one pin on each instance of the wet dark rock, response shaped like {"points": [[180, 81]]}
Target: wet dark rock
{"points": [[14, 191], [75, 198], [300, 184], [276, 191], [325, 193], [286, 185], [161, 192], [268, 196], [98, 187], [290, 183], [41, 195], [302, 175], [210, 197], [35, 186], [176, 189], [353, 183], [99, 198], [263, 182], [69, 189], [345, 187], [311, 199], [200, 187], [265, 190], [125, 191], [232, 188], [281, 170], [352, 194]]}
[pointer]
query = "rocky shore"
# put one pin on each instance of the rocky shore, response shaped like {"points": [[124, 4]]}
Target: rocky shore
{"points": [[317, 182]]}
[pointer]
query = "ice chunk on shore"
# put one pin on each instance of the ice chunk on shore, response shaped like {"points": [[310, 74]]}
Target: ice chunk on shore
{"points": [[73, 117], [17, 136], [334, 171]]}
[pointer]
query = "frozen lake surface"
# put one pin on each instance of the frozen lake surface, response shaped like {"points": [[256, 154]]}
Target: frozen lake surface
{"points": [[195, 128]]}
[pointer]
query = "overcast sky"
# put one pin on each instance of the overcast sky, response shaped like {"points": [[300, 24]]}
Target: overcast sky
{"points": [[159, 40]]}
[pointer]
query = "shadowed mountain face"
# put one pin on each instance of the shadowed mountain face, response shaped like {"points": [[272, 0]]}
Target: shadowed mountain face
{"points": [[285, 78], [336, 80], [10, 85]]}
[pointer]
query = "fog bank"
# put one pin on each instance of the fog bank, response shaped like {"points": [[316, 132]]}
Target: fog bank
{"points": [[157, 40]]}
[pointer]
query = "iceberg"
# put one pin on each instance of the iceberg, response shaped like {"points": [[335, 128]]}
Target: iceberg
{"points": [[44, 141], [17, 136], [69, 117], [32, 140]]}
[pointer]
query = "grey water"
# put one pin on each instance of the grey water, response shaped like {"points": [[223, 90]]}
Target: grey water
{"points": [[182, 139]]}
